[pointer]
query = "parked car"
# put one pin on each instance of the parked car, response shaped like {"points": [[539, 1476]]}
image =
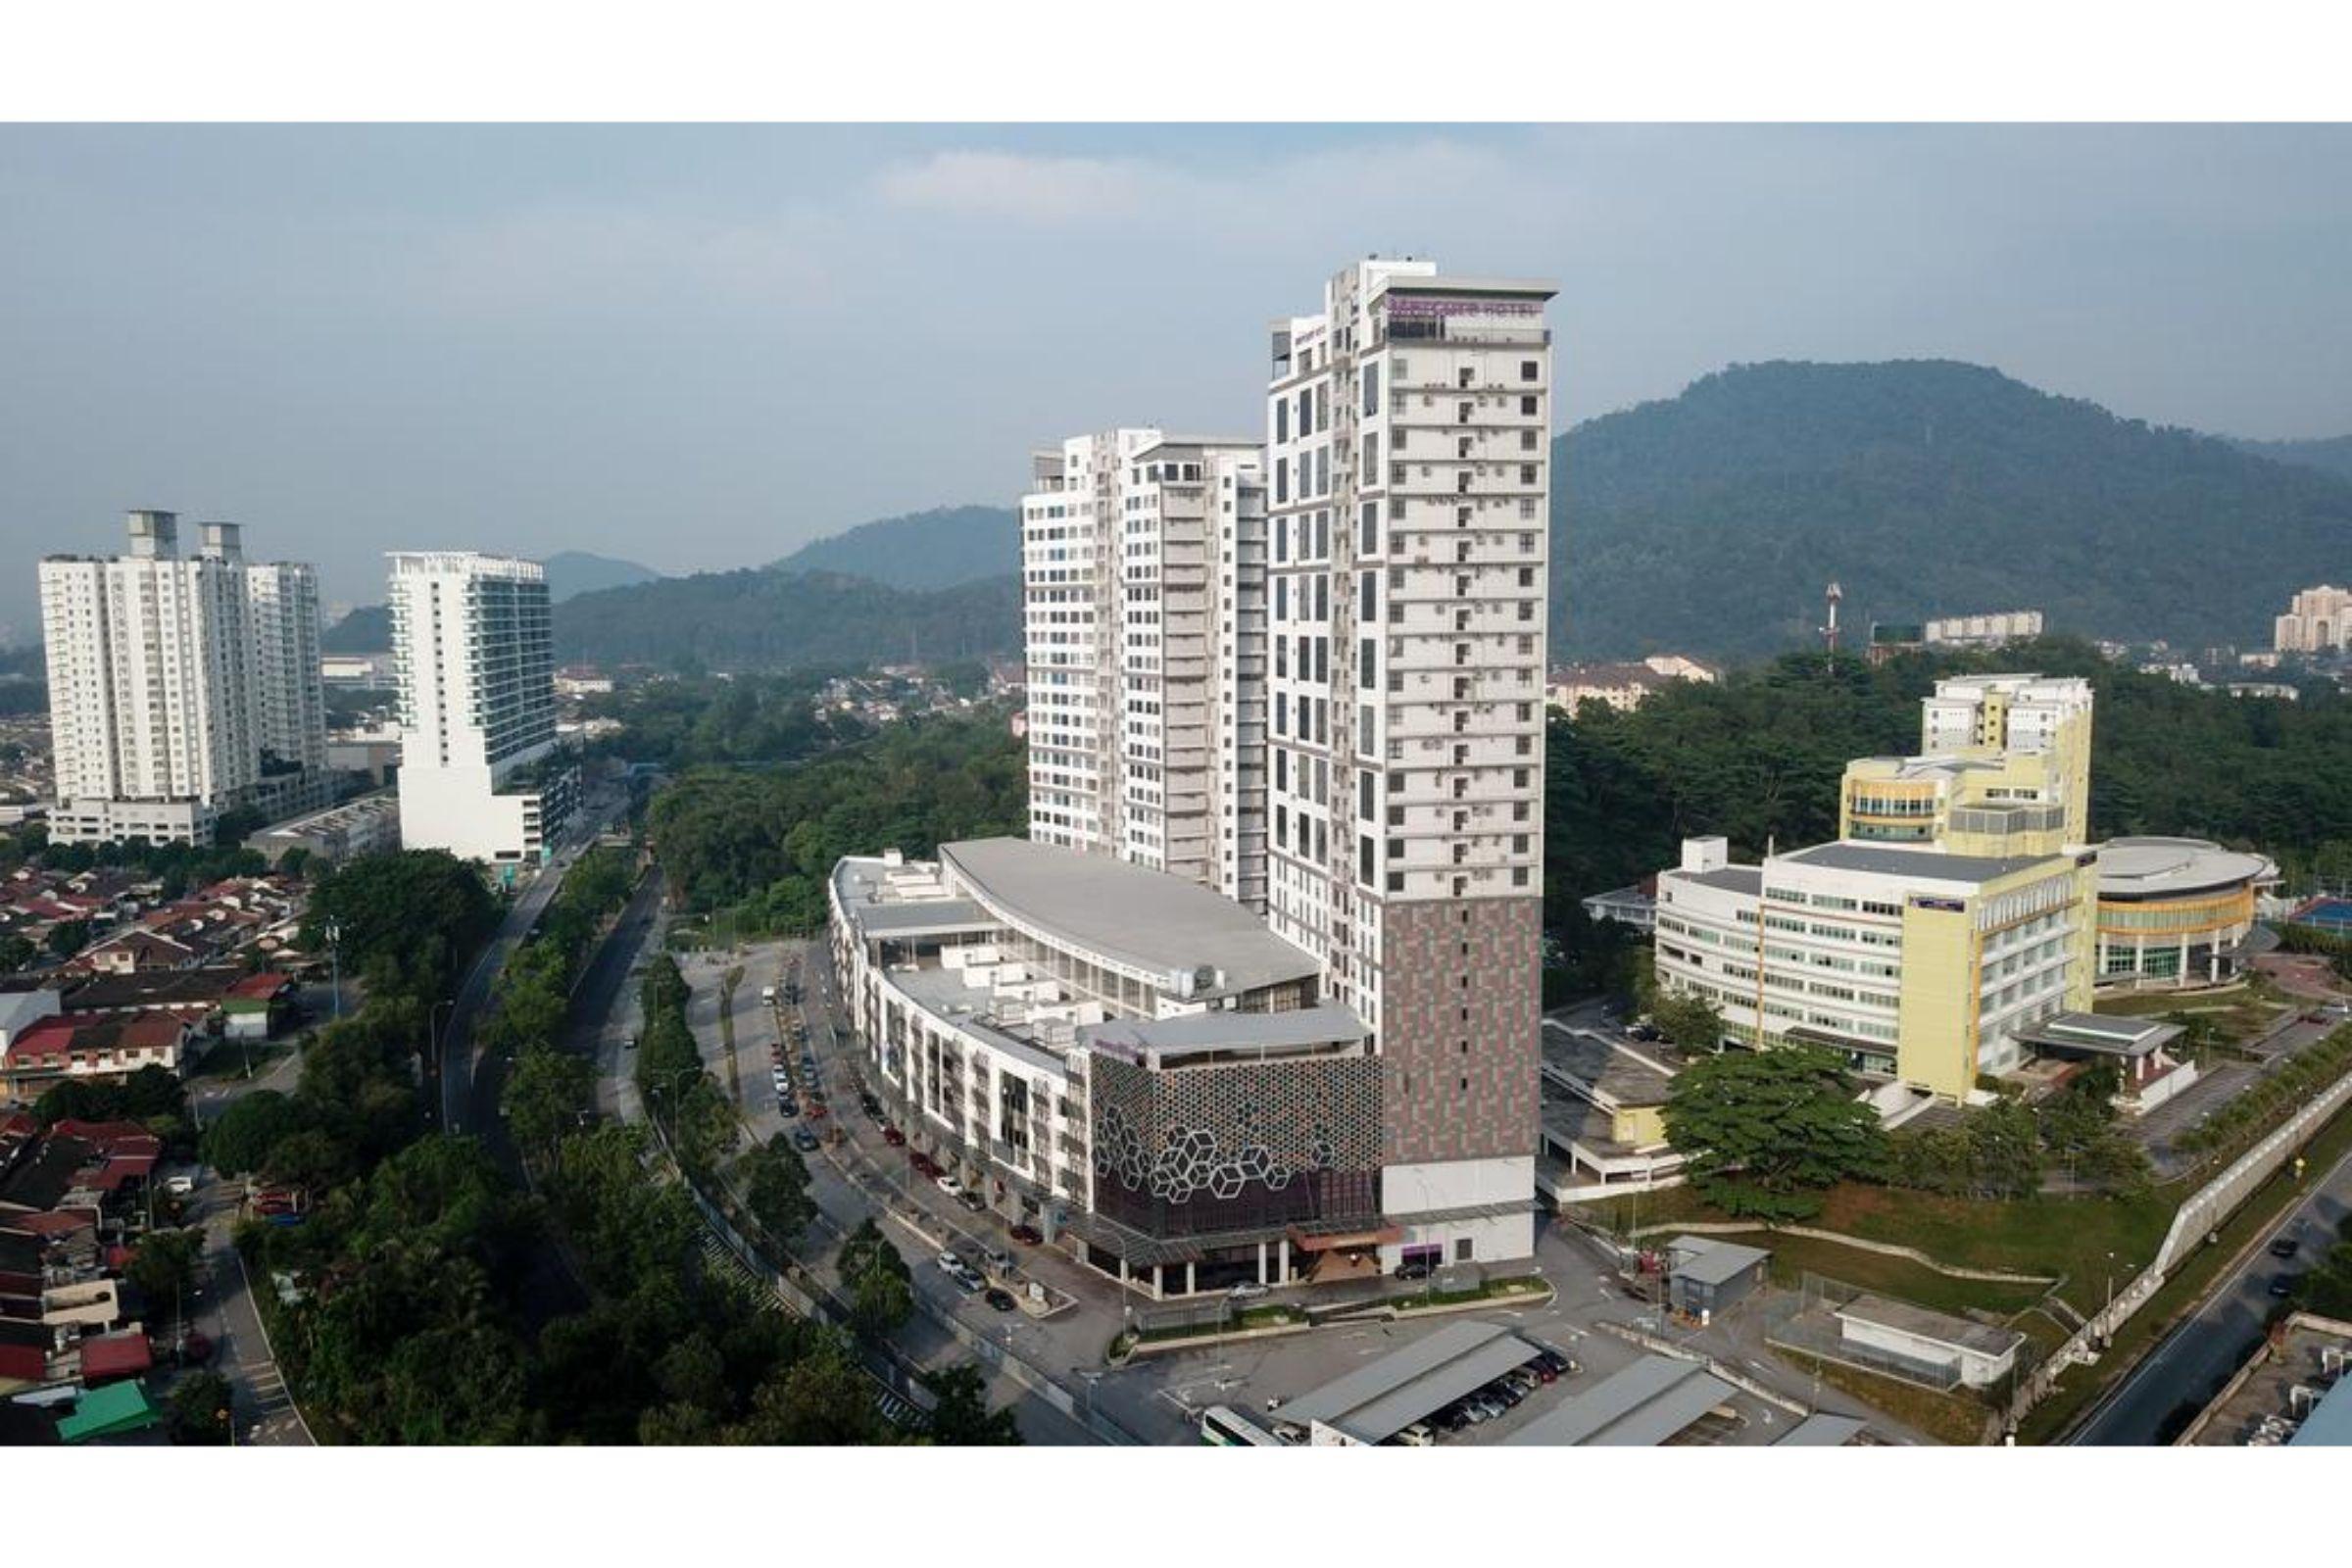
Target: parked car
{"points": [[1416, 1436], [1507, 1392], [1523, 1378], [1559, 1364], [805, 1140], [1414, 1269], [2286, 1246], [179, 1186], [1248, 1291], [1026, 1235], [869, 1104], [1476, 1412], [816, 1108], [892, 1136], [1001, 1299], [2282, 1284], [951, 1186], [1452, 1418]]}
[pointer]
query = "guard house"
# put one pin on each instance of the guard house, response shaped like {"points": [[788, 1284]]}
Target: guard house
{"points": [[1705, 1277]]}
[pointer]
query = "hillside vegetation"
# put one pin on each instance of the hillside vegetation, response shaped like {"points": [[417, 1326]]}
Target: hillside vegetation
{"points": [[770, 619], [1710, 522], [923, 549]]}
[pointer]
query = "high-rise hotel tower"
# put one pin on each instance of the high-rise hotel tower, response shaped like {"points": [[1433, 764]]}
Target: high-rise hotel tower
{"points": [[1408, 490]]}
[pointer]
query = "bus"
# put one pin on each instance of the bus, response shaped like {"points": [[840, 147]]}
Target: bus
{"points": [[1224, 1427]]}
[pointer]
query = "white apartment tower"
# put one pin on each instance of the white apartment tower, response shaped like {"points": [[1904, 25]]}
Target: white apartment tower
{"points": [[181, 686], [1408, 468], [1143, 566], [472, 643]]}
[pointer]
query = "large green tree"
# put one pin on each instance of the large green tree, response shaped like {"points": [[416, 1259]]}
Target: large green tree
{"points": [[1766, 1132]]}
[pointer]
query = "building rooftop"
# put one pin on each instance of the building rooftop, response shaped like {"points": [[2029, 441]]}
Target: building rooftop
{"points": [[1200, 1033], [1713, 1262], [1640, 1406], [1822, 1430], [1375, 1402], [1730, 878], [1616, 1073], [1929, 864], [1940, 1328], [2099, 1032], [1160, 926], [2167, 867], [2291, 1391]]}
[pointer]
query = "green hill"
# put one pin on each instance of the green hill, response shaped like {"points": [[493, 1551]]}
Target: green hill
{"points": [[773, 620], [923, 549], [366, 629], [573, 572], [2331, 455], [1710, 522]]}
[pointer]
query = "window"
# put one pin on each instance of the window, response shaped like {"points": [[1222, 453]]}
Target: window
{"points": [[1530, 370], [1371, 389], [1368, 529], [1282, 418]]}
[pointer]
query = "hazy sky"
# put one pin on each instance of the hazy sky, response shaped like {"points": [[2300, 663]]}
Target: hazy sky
{"points": [[701, 347]]}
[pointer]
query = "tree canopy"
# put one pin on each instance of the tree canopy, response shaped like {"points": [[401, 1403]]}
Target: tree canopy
{"points": [[1766, 1132]]}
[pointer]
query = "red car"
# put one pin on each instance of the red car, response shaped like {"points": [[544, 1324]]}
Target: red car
{"points": [[925, 1164], [893, 1137], [813, 1108]]}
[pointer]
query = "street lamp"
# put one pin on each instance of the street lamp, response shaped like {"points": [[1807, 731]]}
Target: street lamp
{"points": [[432, 1052], [335, 953]]}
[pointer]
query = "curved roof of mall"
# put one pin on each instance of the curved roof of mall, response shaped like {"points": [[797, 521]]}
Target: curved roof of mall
{"points": [[1092, 903], [2132, 869]]}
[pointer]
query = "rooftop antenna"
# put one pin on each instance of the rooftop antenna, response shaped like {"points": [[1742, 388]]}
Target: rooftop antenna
{"points": [[1829, 632]]}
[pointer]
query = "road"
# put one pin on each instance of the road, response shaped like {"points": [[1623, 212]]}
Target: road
{"points": [[261, 1412], [2190, 1365], [842, 1202]]}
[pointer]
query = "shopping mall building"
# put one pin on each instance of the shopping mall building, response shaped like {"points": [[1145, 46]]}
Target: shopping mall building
{"points": [[1133, 1064]]}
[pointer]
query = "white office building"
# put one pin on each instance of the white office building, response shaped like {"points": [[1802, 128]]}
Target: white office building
{"points": [[1143, 572], [1408, 488], [481, 774], [181, 686]]}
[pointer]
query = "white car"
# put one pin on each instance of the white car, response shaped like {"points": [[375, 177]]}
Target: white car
{"points": [[179, 1186], [1248, 1291], [951, 1186]]}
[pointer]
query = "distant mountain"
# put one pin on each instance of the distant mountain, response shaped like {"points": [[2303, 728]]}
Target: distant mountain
{"points": [[573, 572], [1711, 523], [364, 630], [771, 618], [937, 549], [2331, 455]]}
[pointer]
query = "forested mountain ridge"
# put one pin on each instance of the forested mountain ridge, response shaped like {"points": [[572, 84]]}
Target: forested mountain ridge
{"points": [[770, 619], [1710, 522], [2333, 455], [923, 550]]}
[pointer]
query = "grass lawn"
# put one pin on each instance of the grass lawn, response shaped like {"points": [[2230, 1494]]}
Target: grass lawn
{"points": [[1795, 1257], [1951, 1418], [2060, 1238], [2241, 1011]]}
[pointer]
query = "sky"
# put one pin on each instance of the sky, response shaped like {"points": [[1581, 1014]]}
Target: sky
{"points": [[701, 347]]}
